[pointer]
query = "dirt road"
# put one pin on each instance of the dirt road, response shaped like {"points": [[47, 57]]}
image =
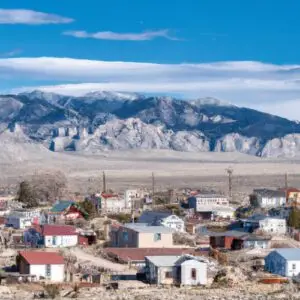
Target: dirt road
{"points": [[83, 256]]}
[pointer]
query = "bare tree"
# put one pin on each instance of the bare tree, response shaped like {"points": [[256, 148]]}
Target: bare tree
{"points": [[42, 188]]}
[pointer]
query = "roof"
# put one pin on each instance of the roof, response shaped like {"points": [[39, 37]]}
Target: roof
{"points": [[138, 254], [289, 253], [254, 237], [230, 233], [290, 190], [61, 206], [269, 193], [107, 196], [260, 217], [215, 208], [163, 261], [58, 230], [42, 258], [209, 195], [151, 217], [144, 228]]}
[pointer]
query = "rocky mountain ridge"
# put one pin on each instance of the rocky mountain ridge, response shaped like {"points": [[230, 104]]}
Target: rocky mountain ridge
{"points": [[103, 121]]}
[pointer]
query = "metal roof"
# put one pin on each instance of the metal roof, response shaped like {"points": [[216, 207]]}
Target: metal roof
{"points": [[144, 228], [151, 217], [289, 253], [230, 233], [269, 193], [163, 261], [61, 206]]}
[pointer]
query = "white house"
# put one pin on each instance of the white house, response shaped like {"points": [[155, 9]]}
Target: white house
{"points": [[44, 265], [270, 225], [56, 236], [224, 212], [185, 270], [21, 219], [161, 218], [284, 262], [201, 201], [268, 198]]}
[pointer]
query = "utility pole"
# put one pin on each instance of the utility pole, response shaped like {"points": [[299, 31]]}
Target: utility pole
{"points": [[153, 190], [286, 181], [104, 191], [104, 183], [229, 172]]}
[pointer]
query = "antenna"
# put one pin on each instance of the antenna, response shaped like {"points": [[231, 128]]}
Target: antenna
{"points": [[229, 172]]}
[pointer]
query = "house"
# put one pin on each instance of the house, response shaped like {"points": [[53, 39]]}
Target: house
{"points": [[44, 265], [284, 262], [66, 210], [235, 240], [266, 224], [266, 198], [256, 242], [200, 201], [56, 236], [159, 218], [231, 240], [292, 196], [112, 203], [222, 212], [140, 235], [136, 256], [21, 218], [173, 270]]}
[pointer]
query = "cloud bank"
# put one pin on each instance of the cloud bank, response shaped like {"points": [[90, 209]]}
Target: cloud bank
{"points": [[30, 17], [109, 35], [269, 87]]}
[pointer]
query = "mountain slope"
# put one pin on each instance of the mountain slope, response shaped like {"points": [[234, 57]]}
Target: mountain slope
{"points": [[102, 121]]}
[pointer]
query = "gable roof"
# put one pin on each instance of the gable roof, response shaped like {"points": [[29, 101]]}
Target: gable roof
{"points": [[139, 254], [289, 253], [58, 230], [144, 228], [61, 206], [151, 217], [163, 261], [42, 258], [269, 193]]}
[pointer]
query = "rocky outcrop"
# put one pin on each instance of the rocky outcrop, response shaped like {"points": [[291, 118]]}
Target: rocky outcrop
{"points": [[102, 121]]}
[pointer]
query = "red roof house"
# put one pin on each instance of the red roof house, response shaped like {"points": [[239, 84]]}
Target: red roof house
{"points": [[59, 236], [44, 265]]}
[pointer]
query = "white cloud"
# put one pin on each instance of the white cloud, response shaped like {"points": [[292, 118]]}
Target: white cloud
{"points": [[30, 17], [11, 53], [109, 35], [246, 83]]}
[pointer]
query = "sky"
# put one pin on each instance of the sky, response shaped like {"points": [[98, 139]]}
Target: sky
{"points": [[243, 52]]}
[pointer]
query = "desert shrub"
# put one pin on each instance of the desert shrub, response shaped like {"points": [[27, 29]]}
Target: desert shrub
{"points": [[52, 290]]}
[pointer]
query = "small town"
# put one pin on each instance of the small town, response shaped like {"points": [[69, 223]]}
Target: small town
{"points": [[150, 244]]}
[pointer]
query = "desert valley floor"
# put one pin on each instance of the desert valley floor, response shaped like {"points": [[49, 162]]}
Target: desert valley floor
{"points": [[172, 169]]}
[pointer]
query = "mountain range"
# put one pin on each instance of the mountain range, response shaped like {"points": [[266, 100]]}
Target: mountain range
{"points": [[103, 121]]}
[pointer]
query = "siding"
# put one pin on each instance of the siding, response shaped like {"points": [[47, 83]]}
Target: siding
{"points": [[57, 272], [61, 241]]}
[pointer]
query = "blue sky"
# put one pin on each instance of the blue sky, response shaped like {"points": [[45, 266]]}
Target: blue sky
{"points": [[246, 52]]}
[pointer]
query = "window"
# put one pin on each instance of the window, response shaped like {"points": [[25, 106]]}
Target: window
{"points": [[157, 237], [168, 275], [294, 266], [54, 240], [193, 274], [125, 236], [48, 270]]}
